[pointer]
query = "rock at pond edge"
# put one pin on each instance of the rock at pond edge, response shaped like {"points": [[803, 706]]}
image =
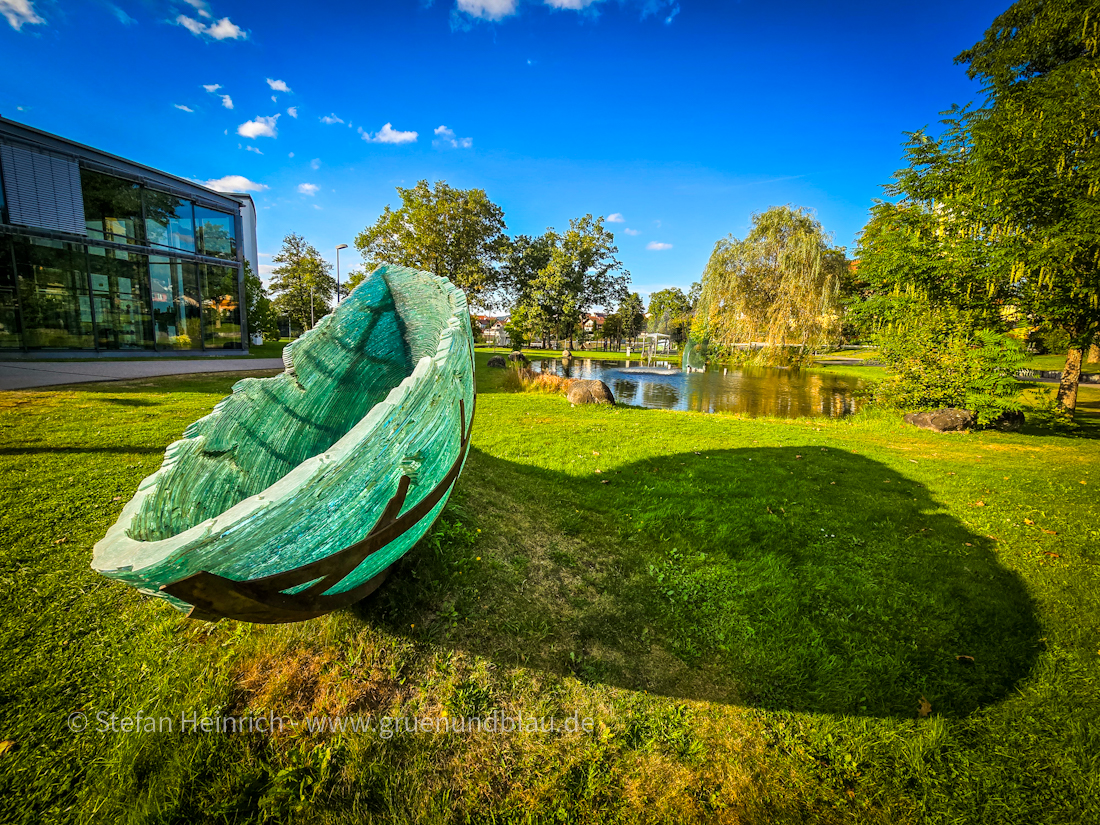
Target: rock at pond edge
{"points": [[497, 361], [948, 420], [589, 392]]}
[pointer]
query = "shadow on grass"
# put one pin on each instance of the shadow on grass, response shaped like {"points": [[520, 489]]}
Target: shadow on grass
{"points": [[122, 449], [756, 577]]}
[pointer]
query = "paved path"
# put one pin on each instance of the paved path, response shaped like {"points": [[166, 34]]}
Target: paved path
{"points": [[21, 375]]}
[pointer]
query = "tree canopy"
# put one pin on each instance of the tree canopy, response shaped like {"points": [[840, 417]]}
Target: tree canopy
{"points": [[302, 283], [779, 286], [1003, 205], [669, 312], [558, 278], [454, 233]]}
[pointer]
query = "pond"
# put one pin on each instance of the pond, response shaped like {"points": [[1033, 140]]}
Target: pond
{"points": [[750, 391]]}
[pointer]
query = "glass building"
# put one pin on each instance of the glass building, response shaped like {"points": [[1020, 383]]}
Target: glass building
{"points": [[104, 254]]}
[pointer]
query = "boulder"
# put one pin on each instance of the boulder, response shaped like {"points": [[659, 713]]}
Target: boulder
{"points": [[589, 392], [948, 420], [497, 361], [566, 354], [517, 356], [1010, 422]]}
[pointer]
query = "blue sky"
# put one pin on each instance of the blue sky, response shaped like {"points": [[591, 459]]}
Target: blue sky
{"points": [[677, 119]]}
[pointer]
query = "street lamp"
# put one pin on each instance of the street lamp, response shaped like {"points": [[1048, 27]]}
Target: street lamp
{"points": [[341, 246]]}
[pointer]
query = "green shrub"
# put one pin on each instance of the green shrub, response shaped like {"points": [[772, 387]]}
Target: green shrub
{"points": [[934, 363]]}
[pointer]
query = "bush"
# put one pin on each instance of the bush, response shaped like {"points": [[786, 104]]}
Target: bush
{"points": [[933, 365], [524, 379]]}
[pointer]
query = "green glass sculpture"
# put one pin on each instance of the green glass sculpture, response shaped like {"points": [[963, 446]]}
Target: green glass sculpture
{"points": [[296, 494]]}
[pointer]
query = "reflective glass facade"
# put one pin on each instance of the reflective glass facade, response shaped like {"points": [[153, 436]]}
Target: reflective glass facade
{"points": [[144, 278]]}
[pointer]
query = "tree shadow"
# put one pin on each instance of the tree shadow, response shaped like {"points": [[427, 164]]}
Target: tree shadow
{"points": [[823, 582]]}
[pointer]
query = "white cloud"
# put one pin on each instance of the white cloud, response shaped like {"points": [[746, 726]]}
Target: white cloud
{"points": [[260, 127], [290, 155], [316, 206], [488, 9], [330, 119], [234, 183], [575, 5], [658, 247], [446, 137], [253, 149], [616, 217], [293, 112], [119, 14], [227, 101], [315, 163], [387, 134], [212, 87], [179, 106], [266, 270], [191, 24], [632, 231], [277, 85], [201, 6], [224, 29], [308, 188]]}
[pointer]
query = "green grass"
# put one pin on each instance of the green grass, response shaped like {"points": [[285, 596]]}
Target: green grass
{"points": [[750, 611], [1057, 362]]}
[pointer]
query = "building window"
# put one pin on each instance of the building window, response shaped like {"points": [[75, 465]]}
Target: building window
{"points": [[112, 208], [9, 302], [217, 233], [221, 308], [177, 308], [53, 294], [120, 293], [168, 221]]}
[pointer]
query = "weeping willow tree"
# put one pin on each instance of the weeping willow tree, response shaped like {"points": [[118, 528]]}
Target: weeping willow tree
{"points": [[778, 287]]}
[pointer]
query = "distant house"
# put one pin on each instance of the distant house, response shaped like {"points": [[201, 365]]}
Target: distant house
{"points": [[494, 333], [594, 323]]}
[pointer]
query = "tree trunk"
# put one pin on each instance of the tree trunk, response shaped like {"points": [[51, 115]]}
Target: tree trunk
{"points": [[1071, 375], [1094, 353]]}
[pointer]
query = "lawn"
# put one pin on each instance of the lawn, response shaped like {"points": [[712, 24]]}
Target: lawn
{"points": [[765, 621]]}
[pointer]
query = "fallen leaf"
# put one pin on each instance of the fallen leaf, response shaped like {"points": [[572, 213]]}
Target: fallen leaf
{"points": [[979, 504], [1052, 555], [61, 541], [599, 471], [1051, 532], [1082, 482], [925, 708], [595, 453], [966, 660], [832, 482], [6, 746], [968, 544], [1028, 521], [117, 498], [604, 481], [798, 456]]}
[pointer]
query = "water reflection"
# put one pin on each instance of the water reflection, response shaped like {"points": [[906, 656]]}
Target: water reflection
{"points": [[750, 391]]}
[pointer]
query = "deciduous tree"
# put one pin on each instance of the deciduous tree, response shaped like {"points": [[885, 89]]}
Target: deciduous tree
{"points": [[454, 233], [302, 283], [1013, 187], [779, 286]]}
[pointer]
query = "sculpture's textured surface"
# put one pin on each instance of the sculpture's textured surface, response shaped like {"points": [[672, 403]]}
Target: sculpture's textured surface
{"points": [[288, 472]]}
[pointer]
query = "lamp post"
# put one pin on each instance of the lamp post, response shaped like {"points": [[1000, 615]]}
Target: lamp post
{"points": [[341, 246]]}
